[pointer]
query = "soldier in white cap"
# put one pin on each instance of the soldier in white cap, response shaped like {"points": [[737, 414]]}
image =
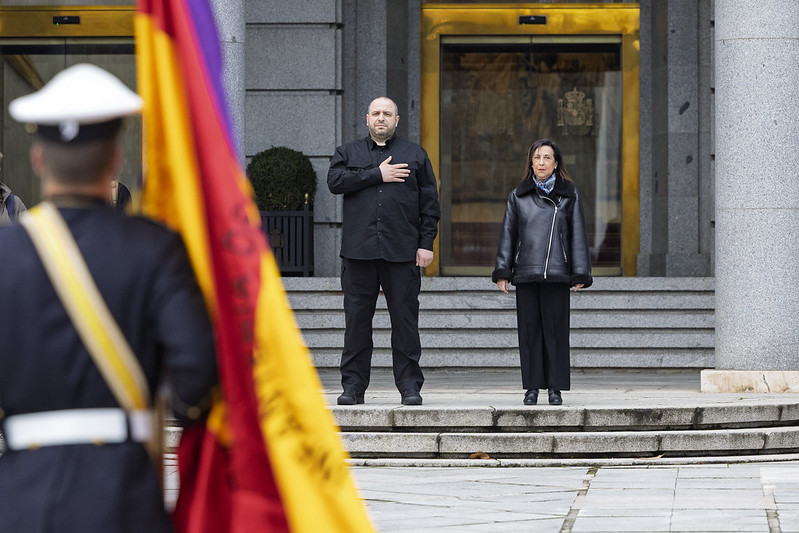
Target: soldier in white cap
{"points": [[104, 306]]}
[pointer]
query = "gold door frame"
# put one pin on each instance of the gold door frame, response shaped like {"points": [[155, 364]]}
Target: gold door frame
{"points": [[475, 20], [95, 21], [37, 25]]}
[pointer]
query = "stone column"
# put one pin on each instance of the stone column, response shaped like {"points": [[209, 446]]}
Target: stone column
{"points": [[757, 197], [230, 21], [676, 185]]}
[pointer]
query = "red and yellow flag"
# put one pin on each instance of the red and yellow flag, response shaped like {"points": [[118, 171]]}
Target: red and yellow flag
{"points": [[269, 457]]}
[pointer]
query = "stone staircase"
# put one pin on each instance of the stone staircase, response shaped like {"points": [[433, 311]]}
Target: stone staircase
{"points": [[571, 432], [645, 325], [467, 323], [637, 347]]}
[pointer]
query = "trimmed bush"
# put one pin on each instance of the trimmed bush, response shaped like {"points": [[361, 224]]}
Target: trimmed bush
{"points": [[281, 177]]}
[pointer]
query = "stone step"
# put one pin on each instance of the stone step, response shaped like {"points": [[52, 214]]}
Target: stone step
{"points": [[649, 443], [488, 339], [539, 418], [311, 320], [493, 299], [456, 357], [554, 444], [462, 284], [543, 431], [477, 294]]}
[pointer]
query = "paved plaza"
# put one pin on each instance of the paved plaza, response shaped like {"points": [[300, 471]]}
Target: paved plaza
{"points": [[725, 497], [706, 497]]}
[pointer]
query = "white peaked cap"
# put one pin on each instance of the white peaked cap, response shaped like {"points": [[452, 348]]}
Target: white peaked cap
{"points": [[81, 94]]}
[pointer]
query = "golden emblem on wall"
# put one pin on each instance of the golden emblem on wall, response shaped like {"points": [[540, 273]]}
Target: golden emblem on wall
{"points": [[575, 113]]}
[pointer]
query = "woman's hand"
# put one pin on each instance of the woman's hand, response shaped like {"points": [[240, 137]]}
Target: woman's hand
{"points": [[579, 286], [502, 285]]}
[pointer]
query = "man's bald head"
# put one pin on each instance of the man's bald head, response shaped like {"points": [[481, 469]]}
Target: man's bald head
{"points": [[382, 119]]}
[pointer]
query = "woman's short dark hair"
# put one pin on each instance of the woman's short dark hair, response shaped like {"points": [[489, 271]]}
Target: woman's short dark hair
{"points": [[561, 168]]}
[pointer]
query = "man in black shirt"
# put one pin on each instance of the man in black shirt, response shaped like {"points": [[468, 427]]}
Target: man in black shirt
{"points": [[391, 217]]}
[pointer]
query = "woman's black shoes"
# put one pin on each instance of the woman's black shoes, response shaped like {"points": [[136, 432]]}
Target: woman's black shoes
{"points": [[531, 397], [555, 397]]}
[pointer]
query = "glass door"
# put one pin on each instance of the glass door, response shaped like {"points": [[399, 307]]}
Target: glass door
{"points": [[39, 42], [497, 77], [498, 95]]}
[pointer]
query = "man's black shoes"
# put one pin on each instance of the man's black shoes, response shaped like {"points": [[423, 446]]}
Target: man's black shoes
{"points": [[411, 397], [350, 397]]}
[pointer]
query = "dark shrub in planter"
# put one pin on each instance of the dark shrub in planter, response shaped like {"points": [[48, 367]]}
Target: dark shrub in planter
{"points": [[281, 177], [285, 183]]}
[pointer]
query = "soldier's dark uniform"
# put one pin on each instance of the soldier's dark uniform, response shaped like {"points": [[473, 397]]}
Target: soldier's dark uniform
{"points": [[143, 273]]}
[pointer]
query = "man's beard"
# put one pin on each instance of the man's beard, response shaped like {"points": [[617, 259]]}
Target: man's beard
{"points": [[384, 136]]}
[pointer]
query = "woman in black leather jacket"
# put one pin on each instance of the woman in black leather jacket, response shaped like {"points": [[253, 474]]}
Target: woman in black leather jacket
{"points": [[543, 251]]}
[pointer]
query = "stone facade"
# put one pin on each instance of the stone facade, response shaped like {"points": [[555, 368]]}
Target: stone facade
{"points": [[677, 155], [314, 67], [301, 74]]}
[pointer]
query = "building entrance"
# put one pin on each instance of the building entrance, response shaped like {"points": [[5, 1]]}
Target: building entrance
{"points": [[496, 99], [488, 94]]}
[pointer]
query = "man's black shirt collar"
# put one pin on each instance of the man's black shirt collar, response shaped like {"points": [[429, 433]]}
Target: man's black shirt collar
{"points": [[388, 144]]}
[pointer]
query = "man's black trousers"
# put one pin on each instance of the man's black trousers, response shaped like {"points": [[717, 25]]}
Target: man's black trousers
{"points": [[361, 282]]}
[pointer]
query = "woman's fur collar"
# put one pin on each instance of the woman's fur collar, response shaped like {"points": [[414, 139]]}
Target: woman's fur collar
{"points": [[562, 187]]}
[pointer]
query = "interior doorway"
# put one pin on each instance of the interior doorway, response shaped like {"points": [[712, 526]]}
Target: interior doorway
{"points": [[499, 95], [33, 49]]}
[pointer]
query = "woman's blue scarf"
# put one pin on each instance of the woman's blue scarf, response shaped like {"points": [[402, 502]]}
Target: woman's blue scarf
{"points": [[547, 185]]}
